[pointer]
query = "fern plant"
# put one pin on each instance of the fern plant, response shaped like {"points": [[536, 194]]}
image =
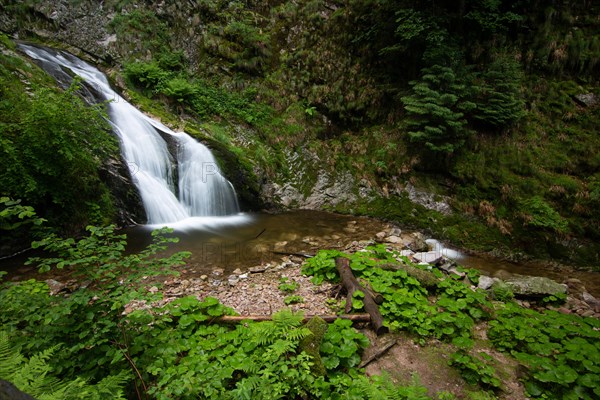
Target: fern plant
{"points": [[34, 376]]}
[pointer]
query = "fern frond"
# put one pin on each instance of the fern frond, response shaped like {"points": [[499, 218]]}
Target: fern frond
{"points": [[33, 376], [298, 334], [281, 347], [10, 358], [264, 333], [286, 319]]}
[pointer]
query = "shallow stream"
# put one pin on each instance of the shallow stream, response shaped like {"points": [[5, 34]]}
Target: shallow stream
{"points": [[248, 240]]}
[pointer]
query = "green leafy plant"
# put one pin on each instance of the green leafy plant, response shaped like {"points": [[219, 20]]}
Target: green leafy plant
{"points": [[34, 376], [539, 214], [476, 369], [13, 214], [501, 291], [287, 286], [293, 299], [559, 351], [341, 345], [101, 256]]}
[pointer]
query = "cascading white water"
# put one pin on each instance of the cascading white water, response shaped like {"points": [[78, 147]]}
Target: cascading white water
{"points": [[203, 191]]}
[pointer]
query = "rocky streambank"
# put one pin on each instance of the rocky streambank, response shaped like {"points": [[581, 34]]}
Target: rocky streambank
{"points": [[267, 284], [257, 290]]}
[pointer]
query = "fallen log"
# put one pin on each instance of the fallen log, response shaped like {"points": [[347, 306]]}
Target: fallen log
{"points": [[376, 296], [235, 319], [351, 285]]}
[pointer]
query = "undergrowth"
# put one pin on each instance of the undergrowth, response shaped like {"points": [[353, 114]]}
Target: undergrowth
{"points": [[558, 352]]}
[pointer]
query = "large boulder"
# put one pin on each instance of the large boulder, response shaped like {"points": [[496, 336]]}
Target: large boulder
{"points": [[535, 286]]}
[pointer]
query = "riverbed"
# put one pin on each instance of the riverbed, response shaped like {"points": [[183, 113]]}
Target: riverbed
{"points": [[249, 240]]}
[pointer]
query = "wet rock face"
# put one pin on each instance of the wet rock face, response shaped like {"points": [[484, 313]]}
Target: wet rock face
{"points": [[128, 203], [82, 24]]}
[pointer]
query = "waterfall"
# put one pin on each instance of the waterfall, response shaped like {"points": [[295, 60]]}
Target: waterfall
{"points": [[201, 190]]}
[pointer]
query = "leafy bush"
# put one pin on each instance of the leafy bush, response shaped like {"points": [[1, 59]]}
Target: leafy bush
{"points": [[34, 376], [150, 76], [52, 147], [45, 321], [561, 352], [497, 94], [406, 304], [341, 346], [539, 214], [476, 369]]}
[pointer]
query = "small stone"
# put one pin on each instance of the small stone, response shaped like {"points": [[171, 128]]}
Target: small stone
{"points": [[243, 276], [456, 272], [237, 271], [588, 298], [380, 235], [564, 310], [393, 239], [395, 231], [203, 277], [586, 99], [280, 246], [259, 269], [430, 257], [55, 286], [417, 242], [535, 286], [485, 282], [233, 280], [587, 313], [153, 289]]}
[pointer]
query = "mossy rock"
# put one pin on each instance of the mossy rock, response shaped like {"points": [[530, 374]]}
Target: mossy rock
{"points": [[312, 343]]}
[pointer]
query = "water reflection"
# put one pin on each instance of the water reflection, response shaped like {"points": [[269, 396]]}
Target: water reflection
{"points": [[247, 240]]}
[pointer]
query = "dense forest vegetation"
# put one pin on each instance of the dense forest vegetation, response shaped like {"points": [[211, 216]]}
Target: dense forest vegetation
{"points": [[491, 106]]}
